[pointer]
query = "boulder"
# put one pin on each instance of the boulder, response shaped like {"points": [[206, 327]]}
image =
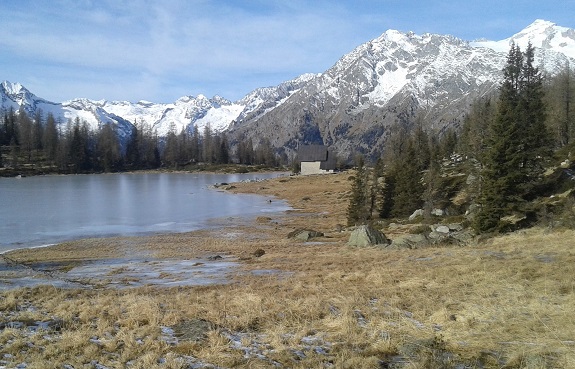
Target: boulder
{"points": [[410, 241], [441, 228], [304, 234], [367, 236], [455, 227], [438, 212], [416, 214]]}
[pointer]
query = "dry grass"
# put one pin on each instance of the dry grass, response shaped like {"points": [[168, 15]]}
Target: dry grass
{"points": [[502, 303]]}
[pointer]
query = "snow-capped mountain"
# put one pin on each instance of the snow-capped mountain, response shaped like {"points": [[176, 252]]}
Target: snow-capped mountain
{"points": [[542, 34], [397, 78], [184, 114], [15, 96]]}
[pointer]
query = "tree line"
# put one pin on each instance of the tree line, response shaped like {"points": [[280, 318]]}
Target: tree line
{"points": [[501, 150], [73, 147]]}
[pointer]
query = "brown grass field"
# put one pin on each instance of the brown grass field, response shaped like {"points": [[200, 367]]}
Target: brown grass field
{"points": [[504, 302]]}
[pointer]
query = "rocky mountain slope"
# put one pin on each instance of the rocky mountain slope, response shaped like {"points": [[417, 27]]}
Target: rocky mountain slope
{"points": [[397, 78]]}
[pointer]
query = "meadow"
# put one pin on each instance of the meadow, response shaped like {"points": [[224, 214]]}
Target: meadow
{"points": [[499, 302]]}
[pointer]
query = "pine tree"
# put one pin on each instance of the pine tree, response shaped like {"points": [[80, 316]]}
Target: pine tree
{"points": [[108, 149], [50, 138], [408, 189], [357, 211], [532, 113], [516, 144], [133, 155]]}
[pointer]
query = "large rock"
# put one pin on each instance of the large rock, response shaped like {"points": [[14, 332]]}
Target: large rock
{"points": [[367, 236], [416, 214], [410, 241], [304, 234]]}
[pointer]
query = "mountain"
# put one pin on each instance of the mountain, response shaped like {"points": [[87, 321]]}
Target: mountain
{"points": [[16, 96], [397, 78], [185, 113], [542, 34]]}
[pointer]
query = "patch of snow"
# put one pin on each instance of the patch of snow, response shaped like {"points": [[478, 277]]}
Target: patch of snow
{"points": [[389, 83]]}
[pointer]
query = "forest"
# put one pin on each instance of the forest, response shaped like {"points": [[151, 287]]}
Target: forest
{"points": [[40, 144]]}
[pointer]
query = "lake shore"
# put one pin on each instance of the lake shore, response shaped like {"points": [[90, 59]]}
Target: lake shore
{"points": [[500, 302]]}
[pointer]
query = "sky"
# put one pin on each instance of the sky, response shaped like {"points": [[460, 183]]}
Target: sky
{"points": [[161, 50]]}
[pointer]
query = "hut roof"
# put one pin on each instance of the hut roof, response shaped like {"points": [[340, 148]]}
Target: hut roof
{"points": [[313, 153]]}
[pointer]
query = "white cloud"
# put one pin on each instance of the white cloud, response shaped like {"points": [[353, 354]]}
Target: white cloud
{"points": [[154, 49]]}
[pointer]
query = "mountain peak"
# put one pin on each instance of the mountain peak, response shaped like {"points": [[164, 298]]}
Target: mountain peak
{"points": [[541, 34], [12, 88]]}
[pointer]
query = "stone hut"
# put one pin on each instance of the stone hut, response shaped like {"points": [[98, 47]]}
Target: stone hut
{"points": [[316, 159]]}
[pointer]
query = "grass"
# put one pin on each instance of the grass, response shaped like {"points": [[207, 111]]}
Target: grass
{"points": [[505, 302]]}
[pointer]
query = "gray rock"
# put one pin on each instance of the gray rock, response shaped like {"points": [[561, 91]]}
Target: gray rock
{"points": [[304, 234], [442, 229], [367, 236], [438, 212], [455, 227], [410, 241], [416, 214]]}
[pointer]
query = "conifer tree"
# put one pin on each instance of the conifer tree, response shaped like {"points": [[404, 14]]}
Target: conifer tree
{"points": [[408, 189], [516, 143], [357, 211], [50, 138]]}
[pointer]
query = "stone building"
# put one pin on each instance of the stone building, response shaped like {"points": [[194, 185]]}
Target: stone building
{"points": [[316, 159]]}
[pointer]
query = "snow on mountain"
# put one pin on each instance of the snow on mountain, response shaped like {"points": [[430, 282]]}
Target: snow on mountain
{"points": [[15, 96], [184, 114], [352, 105], [397, 78], [542, 34], [262, 100]]}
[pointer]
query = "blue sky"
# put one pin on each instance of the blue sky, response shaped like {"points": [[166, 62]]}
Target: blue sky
{"points": [[160, 50]]}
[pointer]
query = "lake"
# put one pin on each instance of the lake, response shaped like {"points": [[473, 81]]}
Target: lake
{"points": [[43, 210]]}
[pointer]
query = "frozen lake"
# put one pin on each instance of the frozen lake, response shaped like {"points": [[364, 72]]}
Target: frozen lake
{"points": [[43, 210]]}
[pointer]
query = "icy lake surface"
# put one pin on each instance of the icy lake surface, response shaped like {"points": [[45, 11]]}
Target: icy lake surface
{"points": [[49, 209]]}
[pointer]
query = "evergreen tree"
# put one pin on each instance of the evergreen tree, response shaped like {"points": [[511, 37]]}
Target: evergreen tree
{"points": [[386, 195], [50, 138], [408, 189], [516, 143], [532, 114], [170, 157], [79, 149], [108, 149], [38, 131], [133, 157], [25, 136], [195, 145], [207, 145], [358, 210], [224, 152]]}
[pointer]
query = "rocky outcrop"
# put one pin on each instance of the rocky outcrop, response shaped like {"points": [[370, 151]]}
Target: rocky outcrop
{"points": [[367, 236]]}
